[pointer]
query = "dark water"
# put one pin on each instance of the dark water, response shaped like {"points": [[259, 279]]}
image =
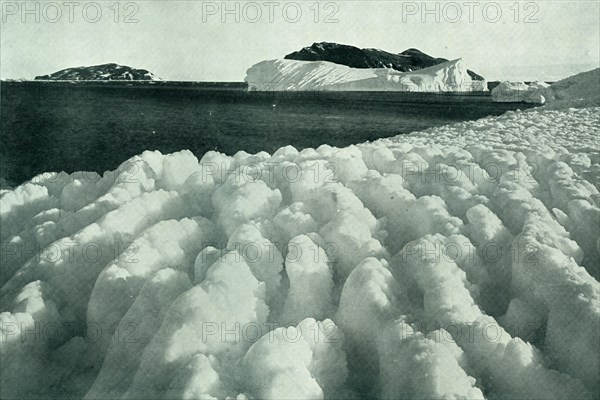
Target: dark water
{"points": [[54, 126]]}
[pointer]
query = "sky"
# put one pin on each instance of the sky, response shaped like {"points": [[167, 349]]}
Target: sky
{"points": [[219, 40]]}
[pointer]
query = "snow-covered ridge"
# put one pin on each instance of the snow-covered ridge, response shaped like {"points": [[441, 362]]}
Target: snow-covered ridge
{"points": [[582, 90], [104, 72], [286, 74]]}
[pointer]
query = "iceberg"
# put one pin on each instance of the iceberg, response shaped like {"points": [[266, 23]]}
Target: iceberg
{"points": [[520, 92], [289, 75]]}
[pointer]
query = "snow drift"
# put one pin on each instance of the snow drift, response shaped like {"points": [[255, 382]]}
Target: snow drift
{"points": [[279, 75], [459, 262]]}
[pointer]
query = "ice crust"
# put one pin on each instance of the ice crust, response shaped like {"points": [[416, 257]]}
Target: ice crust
{"points": [[458, 262]]}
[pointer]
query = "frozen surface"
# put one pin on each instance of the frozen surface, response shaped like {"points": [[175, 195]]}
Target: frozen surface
{"points": [[459, 262], [450, 76]]}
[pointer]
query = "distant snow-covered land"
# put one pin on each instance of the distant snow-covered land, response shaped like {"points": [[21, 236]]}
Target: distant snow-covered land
{"points": [[459, 262], [103, 72]]}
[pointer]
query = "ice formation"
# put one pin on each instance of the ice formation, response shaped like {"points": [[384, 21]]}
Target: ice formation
{"points": [[458, 262], [285, 74], [520, 92]]}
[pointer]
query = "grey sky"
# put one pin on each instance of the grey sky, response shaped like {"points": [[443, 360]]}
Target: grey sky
{"points": [[188, 40]]}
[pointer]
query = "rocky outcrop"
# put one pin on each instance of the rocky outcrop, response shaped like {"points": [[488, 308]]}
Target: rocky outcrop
{"points": [[408, 61], [104, 72]]}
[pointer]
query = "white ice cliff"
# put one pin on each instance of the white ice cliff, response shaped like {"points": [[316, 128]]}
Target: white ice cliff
{"points": [[283, 74]]}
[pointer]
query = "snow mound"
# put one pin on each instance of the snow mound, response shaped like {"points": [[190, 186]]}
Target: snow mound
{"points": [[279, 75], [458, 262]]}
